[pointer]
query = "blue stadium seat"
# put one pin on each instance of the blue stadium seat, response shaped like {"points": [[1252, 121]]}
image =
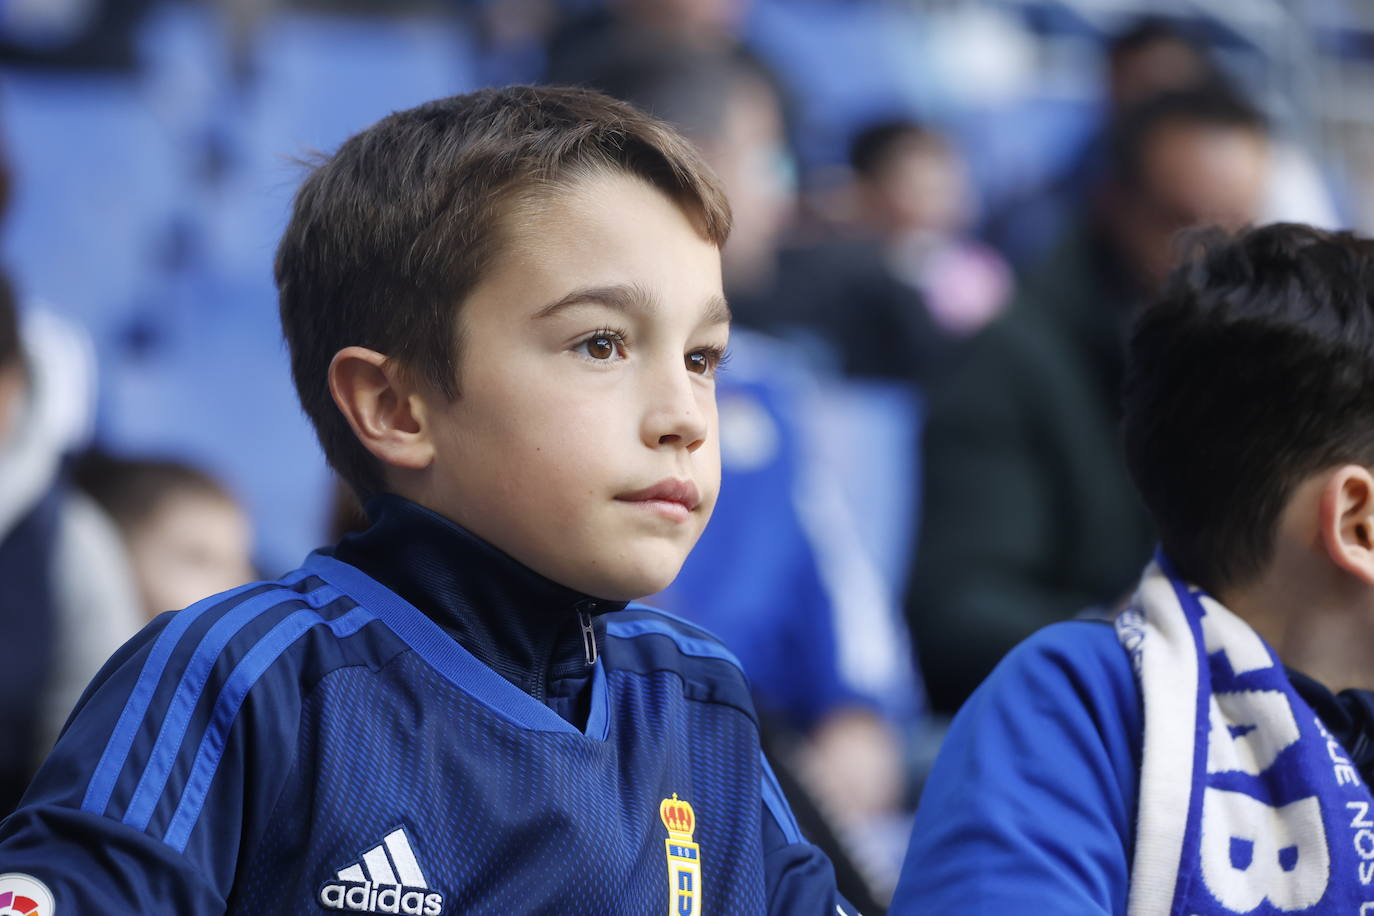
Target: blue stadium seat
{"points": [[95, 179], [214, 387]]}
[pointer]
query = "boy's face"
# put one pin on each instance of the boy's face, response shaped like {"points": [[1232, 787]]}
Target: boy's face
{"points": [[1193, 174], [923, 187], [192, 545], [587, 380]]}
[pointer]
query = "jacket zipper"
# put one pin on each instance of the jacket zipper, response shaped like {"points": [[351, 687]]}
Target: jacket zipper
{"points": [[539, 677], [584, 618]]}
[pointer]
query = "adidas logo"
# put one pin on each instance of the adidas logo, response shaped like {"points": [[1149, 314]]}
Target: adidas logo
{"points": [[386, 880]]}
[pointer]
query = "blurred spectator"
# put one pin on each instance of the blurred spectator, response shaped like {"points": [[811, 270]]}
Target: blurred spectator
{"points": [[729, 105], [513, 38], [781, 576], [839, 291], [1029, 515], [186, 535], [94, 35], [585, 41], [912, 192], [1153, 56], [67, 601]]}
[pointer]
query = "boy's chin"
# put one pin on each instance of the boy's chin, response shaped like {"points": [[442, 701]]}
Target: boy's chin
{"points": [[632, 584]]}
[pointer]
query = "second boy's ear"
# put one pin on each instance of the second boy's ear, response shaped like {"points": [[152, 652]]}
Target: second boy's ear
{"points": [[384, 410], [1347, 520]]}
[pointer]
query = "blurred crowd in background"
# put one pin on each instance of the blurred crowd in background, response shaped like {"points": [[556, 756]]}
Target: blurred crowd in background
{"points": [[945, 210]]}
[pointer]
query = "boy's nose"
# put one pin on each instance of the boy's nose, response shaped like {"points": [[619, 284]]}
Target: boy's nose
{"points": [[675, 415]]}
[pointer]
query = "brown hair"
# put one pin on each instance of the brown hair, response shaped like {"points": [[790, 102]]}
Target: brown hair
{"points": [[132, 490], [390, 235]]}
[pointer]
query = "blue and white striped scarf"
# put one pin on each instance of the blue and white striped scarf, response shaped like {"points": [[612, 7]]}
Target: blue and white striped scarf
{"points": [[1247, 804]]}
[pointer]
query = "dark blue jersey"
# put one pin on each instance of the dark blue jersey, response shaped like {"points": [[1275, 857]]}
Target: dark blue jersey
{"points": [[318, 744]]}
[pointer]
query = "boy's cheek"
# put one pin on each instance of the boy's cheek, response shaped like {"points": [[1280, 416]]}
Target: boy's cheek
{"points": [[710, 493]]}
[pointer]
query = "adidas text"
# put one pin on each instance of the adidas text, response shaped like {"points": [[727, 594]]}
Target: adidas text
{"points": [[367, 897]]}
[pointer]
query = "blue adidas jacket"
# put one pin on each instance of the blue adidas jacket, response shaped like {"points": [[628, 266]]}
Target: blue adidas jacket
{"points": [[412, 725]]}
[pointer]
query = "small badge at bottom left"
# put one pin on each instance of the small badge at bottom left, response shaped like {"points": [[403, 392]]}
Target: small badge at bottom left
{"points": [[25, 895]]}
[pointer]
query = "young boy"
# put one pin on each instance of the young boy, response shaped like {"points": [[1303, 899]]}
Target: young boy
{"points": [[504, 317], [1170, 764]]}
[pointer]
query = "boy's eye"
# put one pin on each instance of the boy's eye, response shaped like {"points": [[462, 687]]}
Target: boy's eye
{"points": [[603, 345], [705, 362]]}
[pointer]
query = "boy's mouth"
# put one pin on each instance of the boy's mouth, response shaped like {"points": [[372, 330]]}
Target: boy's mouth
{"points": [[672, 497]]}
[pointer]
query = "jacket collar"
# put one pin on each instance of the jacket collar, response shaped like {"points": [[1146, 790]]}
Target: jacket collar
{"points": [[1349, 715], [528, 628]]}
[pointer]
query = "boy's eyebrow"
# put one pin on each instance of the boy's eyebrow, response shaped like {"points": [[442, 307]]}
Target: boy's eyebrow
{"points": [[717, 311], [623, 297]]}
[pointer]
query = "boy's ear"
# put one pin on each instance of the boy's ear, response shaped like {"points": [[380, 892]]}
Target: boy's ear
{"points": [[1347, 520], [385, 411]]}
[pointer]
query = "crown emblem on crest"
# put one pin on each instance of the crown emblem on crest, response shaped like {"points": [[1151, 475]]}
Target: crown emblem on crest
{"points": [[678, 817], [684, 857]]}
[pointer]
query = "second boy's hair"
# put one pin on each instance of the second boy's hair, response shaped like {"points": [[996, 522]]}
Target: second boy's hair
{"points": [[391, 234], [1252, 370]]}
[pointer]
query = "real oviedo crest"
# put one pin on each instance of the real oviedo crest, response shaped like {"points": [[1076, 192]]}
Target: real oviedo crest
{"points": [[684, 858]]}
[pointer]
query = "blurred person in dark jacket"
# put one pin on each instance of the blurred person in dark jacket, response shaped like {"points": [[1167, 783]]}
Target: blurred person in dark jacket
{"points": [[66, 597], [1029, 516]]}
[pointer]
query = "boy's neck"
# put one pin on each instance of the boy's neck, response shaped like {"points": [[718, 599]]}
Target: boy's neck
{"points": [[1319, 621]]}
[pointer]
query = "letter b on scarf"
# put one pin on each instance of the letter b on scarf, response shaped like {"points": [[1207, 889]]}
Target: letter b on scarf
{"points": [[1224, 632], [1248, 730], [1253, 852]]}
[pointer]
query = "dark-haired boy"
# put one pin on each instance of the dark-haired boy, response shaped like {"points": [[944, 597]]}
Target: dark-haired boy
{"points": [[1171, 764], [504, 316]]}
